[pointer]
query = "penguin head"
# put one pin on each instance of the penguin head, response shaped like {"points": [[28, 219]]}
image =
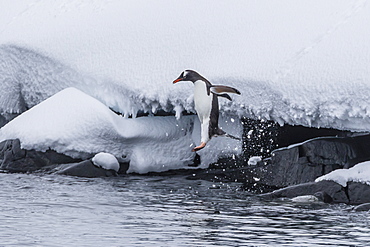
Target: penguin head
{"points": [[188, 75]]}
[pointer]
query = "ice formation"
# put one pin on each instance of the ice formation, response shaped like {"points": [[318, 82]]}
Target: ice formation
{"points": [[76, 124], [106, 161], [359, 173], [301, 63]]}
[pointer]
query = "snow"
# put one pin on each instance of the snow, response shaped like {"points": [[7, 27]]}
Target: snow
{"points": [[305, 199], [295, 62], [254, 160], [76, 124], [359, 173], [106, 161]]}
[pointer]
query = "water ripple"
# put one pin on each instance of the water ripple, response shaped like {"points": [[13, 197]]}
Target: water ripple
{"points": [[50, 210]]}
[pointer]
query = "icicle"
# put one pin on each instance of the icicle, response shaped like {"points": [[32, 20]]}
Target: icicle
{"points": [[178, 109], [155, 108]]}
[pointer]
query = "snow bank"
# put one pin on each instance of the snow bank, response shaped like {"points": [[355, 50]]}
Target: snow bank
{"points": [[76, 124], [359, 173], [296, 62]]}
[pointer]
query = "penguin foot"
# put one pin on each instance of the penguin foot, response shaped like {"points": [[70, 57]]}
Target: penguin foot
{"points": [[202, 145]]}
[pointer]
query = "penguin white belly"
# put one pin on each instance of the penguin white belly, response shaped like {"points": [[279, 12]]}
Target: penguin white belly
{"points": [[203, 106], [202, 101]]}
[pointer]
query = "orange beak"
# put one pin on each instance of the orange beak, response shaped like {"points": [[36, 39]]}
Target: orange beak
{"points": [[177, 80]]}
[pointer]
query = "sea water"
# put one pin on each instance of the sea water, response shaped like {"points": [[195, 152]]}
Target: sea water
{"points": [[55, 210]]}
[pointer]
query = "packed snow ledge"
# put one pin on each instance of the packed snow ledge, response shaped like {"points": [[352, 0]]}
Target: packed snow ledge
{"points": [[28, 77], [359, 173], [76, 124], [295, 62]]}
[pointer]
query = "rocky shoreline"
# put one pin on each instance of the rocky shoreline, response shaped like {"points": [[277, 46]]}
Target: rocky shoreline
{"points": [[289, 172], [292, 171], [15, 159]]}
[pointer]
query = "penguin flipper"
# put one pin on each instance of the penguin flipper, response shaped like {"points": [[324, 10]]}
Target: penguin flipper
{"points": [[225, 95], [220, 90]]}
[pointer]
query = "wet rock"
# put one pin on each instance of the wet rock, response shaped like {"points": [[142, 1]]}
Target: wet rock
{"points": [[295, 169], [362, 207], [298, 164], [15, 159], [358, 193], [86, 169], [327, 191], [323, 197], [286, 167], [305, 162]]}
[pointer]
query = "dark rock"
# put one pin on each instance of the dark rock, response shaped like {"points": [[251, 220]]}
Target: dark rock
{"points": [[358, 193], [327, 191], [362, 207], [288, 134], [305, 162], [86, 169], [298, 164], [323, 196], [15, 159], [286, 168], [123, 167]]}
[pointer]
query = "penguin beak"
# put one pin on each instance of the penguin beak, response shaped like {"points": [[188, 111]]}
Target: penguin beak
{"points": [[177, 80]]}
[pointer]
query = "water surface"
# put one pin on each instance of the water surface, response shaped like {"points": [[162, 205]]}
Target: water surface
{"points": [[54, 210]]}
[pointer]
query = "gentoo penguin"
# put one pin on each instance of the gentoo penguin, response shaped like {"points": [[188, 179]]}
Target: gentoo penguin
{"points": [[206, 104]]}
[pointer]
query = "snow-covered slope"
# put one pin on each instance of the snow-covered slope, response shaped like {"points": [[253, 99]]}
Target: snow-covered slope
{"points": [[297, 62], [76, 124]]}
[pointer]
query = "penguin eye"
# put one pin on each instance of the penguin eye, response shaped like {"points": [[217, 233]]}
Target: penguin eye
{"points": [[184, 74]]}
